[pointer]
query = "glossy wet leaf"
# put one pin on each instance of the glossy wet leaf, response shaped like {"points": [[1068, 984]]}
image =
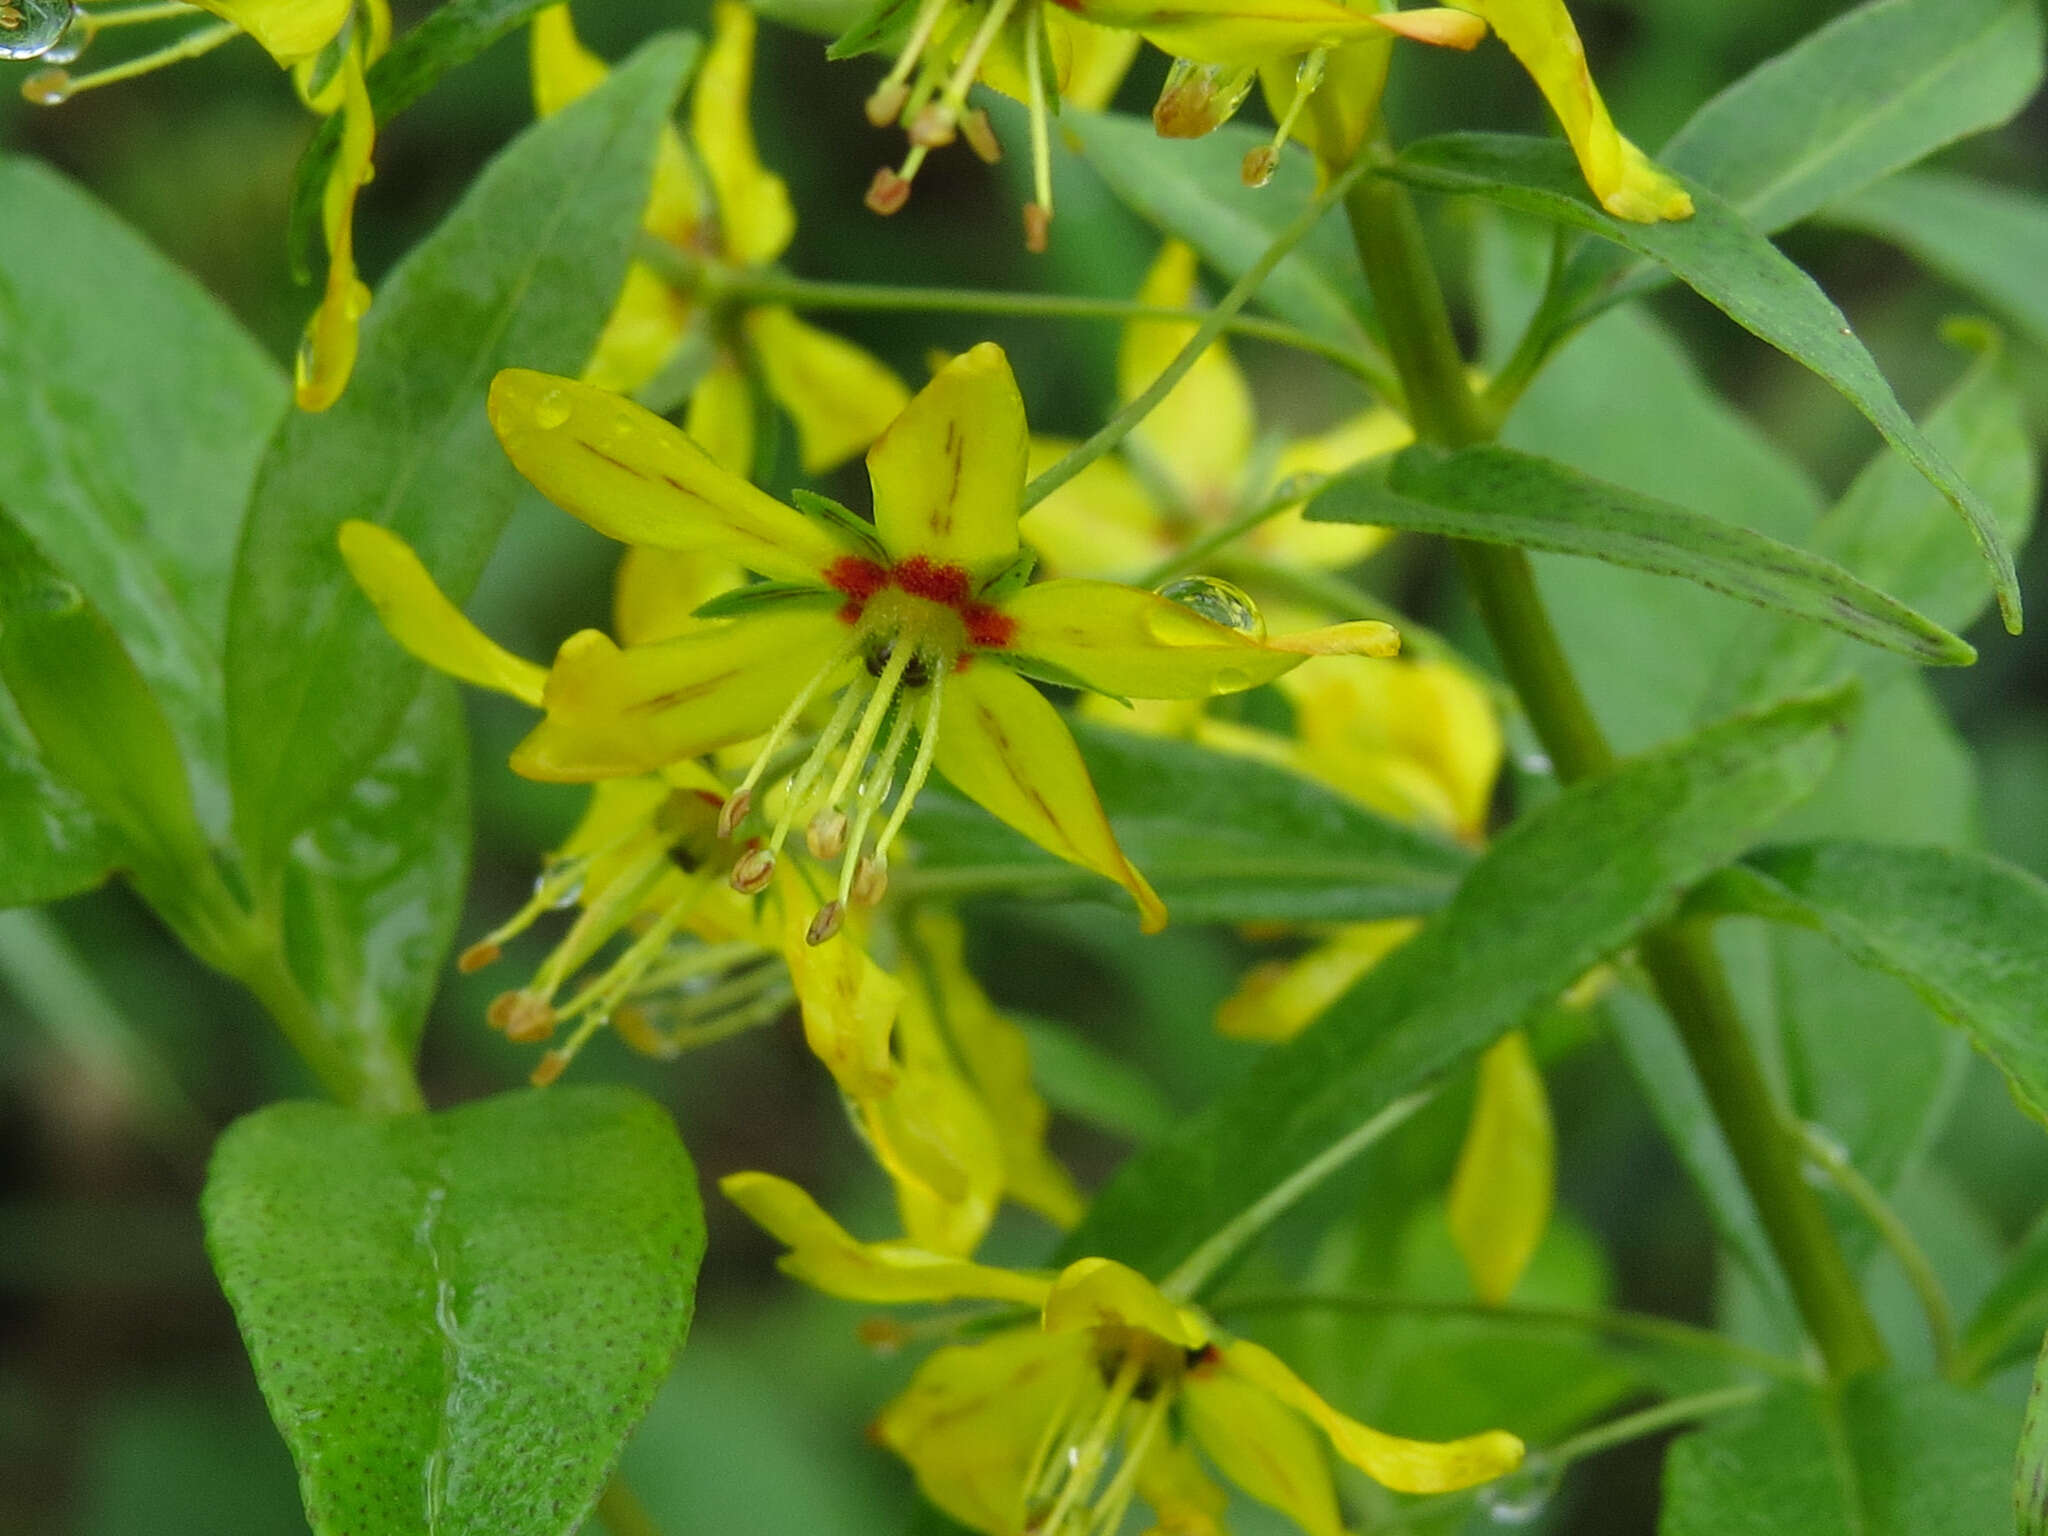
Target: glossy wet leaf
{"points": [[1886, 1455], [1222, 839], [1727, 262], [55, 846], [1502, 496], [457, 1318], [516, 274], [1569, 884]]}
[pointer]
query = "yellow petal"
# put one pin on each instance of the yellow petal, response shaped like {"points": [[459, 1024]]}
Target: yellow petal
{"points": [[563, 70], [823, 1254], [420, 617], [1004, 747], [1262, 1447], [612, 712], [1233, 31], [1278, 1000], [288, 30], [1347, 102], [1103, 522], [657, 590], [327, 351], [1098, 60], [635, 478], [1290, 537], [1097, 1293], [994, 1055], [972, 1419], [1407, 1466], [1437, 25], [1185, 1500], [840, 396], [1200, 435], [1541, 35], [1501, 1193], [721, 417], [643, 330], [754, 214], [932, 1136], [848, 1004], [948, 474]]}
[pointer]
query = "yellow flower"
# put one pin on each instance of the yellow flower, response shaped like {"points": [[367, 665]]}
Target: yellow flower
{"points": [[327, 45], [1191, 465], [920, 622], [715, 202], [1055, 1428]]}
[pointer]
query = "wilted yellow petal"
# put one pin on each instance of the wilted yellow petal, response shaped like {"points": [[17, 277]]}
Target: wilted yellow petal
{"points": [[420, 617], [327, 350], [754, 214], [635, 478], [656, 591], [1279, 999], [1507, 1173], [823, 1254], [840, 396], [1004, 747], [948, 474], [848, 1003], [1407, 1466], [720, 419], [1103, 522], [1262, 1447], [1097, 1293], [1200, 435]]}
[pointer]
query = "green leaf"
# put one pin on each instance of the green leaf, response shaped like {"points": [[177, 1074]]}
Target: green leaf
{"points": [[136, 410], [457, 1318], [1501, 496], [1192, 190], [55, 846], [1734, 268], [1081, 1079], [2030, 1464], [1885, 1455], [880, 22], [1987, 240], [2013, 1315], [375, 889], [840, 518], [1222, 838], [1568, 885], [758, 595], [447, 38], [1962, 929], [522, 272]]}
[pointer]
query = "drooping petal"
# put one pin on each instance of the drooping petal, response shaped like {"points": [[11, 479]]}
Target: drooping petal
{"points": [[1368, 435], [973, 1417], [1137, 644], [656, 592], [1233, 31], [635, 478], [720, 419], [1200, 435], [1004, 747], [327, 350], [1279, 999], [1407, 1466], [754, 213], [933, 1137], [1103, 522], [848, 1002], [1540, 34], [1262, 1447], [1506, 1177], [613, 712], [1097, 1293], [948, 474], [841, 397], [420, 617], [825, 1255], [288, 30]]}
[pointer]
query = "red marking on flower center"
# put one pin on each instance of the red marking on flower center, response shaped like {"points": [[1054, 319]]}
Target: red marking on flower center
{"points": [[1203, 1361], [987, 626]]}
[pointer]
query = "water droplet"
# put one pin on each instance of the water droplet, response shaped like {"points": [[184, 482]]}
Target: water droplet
{"points": [[31, 29], [551, 410], [47, 87], [562, 899], [1521, 1497], [1219, 602]]}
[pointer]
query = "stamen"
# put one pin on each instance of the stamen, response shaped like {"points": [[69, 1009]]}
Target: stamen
{"points": [[759, 864], [1260, 164], [1037, 213], [879, 701], [888, 192], [951, 103], [743, 796], [752, 871], [892, 87], [831, 917], [1086, 1460], [48, 87], [871, 881], [560, 885], [920, 766], [1116, 1499], [826, 835], [602, 916], [873, 794], [981, 138]]}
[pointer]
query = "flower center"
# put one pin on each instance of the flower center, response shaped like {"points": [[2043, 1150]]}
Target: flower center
{"points": [[1064, 1491]]}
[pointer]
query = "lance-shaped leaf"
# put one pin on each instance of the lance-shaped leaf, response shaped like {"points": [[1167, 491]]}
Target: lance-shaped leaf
{"points": [[1222, 838], [1963, 929], [1501, 496], [524, 271], [456, 1319], [1568, 885], [1724, 260]]}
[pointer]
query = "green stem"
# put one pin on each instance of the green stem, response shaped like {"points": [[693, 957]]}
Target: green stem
{"points": [[387, 1086], [1652, 1421], [1681, 961]]}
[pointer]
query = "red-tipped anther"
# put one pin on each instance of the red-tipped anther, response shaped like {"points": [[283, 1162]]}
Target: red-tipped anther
{"points": [[734, 811], [870, 881], [828, 922], [886, 104], [1037, 228], [826, 835], [752, 871], [1259, 165], [934, 127], [888, 192], [981, 138], [476, 957], [552, 1065]]}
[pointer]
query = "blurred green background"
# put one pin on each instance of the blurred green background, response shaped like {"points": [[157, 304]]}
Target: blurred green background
{"points": [[126, 1407]]}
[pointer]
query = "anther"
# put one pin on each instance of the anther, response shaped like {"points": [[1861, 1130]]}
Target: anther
{"points": [[47, 87], [734, 811], [871, 881], [526, 1017], [887, 193], [885, 105], [934, 127], [883, 1335], [981, 137], [552, 1065], [826, 835], [830, 919], [1259, 166], [1037, 228], [752, 871], [477, 956]]}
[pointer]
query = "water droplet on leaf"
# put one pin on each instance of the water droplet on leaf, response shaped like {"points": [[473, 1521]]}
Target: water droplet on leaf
{"points": [[1219, 602], [1523, 1495], [551, 410], [31, 29]]}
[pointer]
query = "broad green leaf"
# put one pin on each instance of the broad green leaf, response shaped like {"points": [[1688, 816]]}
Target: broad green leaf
{"points": [[1725, 261], [1566, 886], [1192, 190], [1885, 1455], [1081, 1079], [2011, 1319], [522, 272], [374, 889], [1892, 529], [1962, 929], [1501, 496], [457, 1318], [55, 846], [1222, 838], [447, 38], [1985, 239], [136, 410]]}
